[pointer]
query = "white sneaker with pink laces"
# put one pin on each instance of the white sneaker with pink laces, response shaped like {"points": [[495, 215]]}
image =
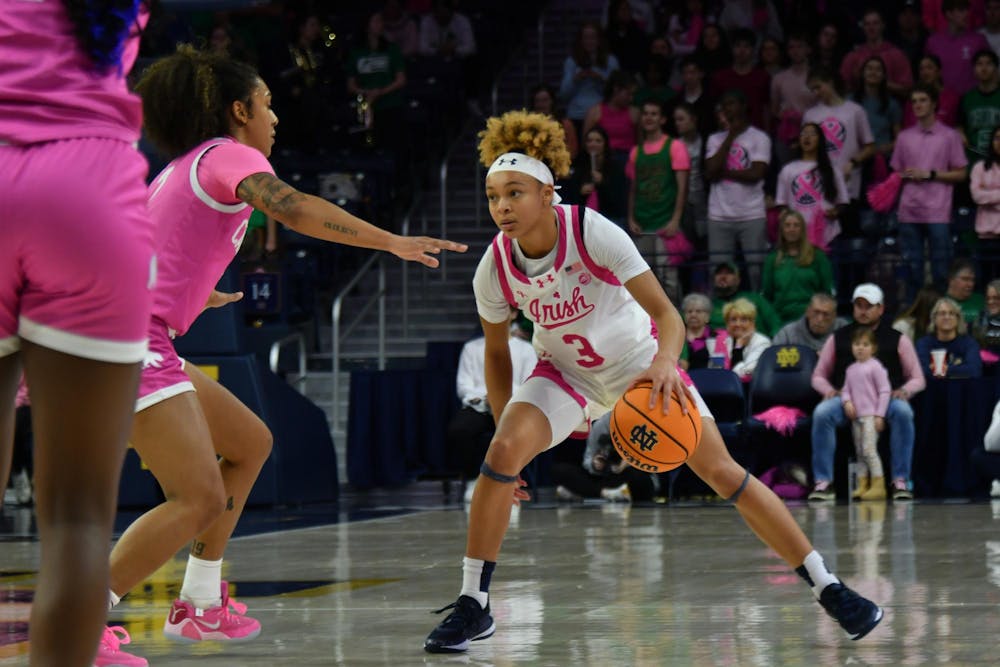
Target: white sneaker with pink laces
{"points": [[109, 653], [228, 622]]}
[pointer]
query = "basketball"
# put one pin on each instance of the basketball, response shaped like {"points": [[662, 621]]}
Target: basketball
{"points": [[650, 440]]}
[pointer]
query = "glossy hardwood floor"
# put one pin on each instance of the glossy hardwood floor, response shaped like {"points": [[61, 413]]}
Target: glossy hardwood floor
{"points": [[683, 584]]}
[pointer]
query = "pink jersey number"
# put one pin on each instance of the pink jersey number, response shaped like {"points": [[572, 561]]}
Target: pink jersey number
{"points": [[588, 355]]}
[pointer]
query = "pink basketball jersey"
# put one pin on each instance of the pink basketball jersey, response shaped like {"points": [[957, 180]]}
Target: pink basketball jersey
{"points": [[50, 89], [197, 235]]}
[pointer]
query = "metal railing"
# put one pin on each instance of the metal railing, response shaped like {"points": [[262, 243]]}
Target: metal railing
{"points": [[336, 335], [275, 356]]}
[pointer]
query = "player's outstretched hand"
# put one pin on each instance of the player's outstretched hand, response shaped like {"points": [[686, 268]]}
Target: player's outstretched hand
{"points": [[219, 299], [421, 248], [519, 491]]}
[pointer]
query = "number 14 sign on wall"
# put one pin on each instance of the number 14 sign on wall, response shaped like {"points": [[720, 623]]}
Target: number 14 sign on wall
{"points": [[262, 292]]}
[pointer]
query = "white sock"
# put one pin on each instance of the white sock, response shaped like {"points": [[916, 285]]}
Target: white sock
{"points": [[202, 583], [113, 600], [472, 575], [819, 577]]}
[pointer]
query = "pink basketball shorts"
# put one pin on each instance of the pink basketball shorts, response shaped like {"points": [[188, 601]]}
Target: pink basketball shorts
{"points": [[163, 374], [76, 248]]}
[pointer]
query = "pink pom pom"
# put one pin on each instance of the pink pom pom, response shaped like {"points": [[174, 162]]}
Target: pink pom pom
{"points": [[988, 357], [679, 248], [882, 197], [780, 418]]}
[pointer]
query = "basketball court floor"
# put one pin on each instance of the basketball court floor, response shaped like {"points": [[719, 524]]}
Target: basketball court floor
{"points": [[577, 584]]}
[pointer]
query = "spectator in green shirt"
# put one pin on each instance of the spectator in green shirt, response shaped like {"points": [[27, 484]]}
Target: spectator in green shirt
{"points": [[726, 288], [795, 270], [376, 76], [962, 288]]}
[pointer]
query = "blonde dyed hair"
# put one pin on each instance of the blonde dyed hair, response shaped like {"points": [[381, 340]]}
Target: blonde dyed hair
{"points": [[742, 307], [534, 134]]}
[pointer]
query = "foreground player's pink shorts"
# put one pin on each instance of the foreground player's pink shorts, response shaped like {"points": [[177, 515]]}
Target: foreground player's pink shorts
{"points": [[163, 374], [76, 246]]}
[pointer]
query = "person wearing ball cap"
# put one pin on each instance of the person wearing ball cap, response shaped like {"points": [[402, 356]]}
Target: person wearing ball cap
{"points": [[592, 298], [897, 354]]}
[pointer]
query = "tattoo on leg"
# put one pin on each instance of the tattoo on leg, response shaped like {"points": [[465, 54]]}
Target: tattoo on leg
{"points": [[229, 504], [198, 548]]}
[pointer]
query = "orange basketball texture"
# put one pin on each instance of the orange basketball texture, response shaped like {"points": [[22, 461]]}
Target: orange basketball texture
{"points": [[650, 440]]}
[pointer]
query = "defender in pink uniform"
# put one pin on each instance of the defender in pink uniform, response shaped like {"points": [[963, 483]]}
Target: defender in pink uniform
{"points": [[213, 116], [591, 296], [75, 252]]}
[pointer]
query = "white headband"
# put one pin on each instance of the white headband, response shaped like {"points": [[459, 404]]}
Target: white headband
{"points": [[526, 165]]}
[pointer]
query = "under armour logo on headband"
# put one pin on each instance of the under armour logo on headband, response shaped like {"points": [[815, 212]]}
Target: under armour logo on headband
{"points": [[525, 164]]}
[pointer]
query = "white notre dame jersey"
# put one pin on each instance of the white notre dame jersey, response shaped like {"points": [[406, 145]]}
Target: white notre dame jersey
{"points": [[590, 333]]}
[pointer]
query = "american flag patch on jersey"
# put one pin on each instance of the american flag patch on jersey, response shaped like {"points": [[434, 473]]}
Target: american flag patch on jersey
{"points": [[576, 266]]}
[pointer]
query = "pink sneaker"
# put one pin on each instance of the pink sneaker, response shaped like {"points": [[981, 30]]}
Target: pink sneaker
{"points": [[109, 654], [187, 623]]}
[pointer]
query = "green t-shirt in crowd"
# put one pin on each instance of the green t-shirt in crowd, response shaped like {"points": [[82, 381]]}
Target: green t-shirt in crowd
{"points": [[377, 69], [655, 187], [790, 287], [980, 115]]}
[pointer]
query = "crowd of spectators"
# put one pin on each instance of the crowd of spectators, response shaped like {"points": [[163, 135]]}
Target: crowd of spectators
{"points": [[393, 80], [738, 140], [751, 134]]}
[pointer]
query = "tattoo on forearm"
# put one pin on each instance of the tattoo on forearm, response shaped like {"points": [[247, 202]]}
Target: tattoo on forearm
{"points": [[336, 227], [229, 504], [198, 548], [269, 193]]}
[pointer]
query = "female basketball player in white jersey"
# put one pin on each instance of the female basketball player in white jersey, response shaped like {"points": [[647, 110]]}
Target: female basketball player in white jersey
{"points": [[591, 297], [213, 116]]}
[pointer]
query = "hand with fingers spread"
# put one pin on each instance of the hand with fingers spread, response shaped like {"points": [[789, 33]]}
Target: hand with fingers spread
{"points": [[420, 249]]}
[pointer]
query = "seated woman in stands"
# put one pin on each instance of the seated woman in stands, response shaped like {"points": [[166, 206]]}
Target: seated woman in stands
{"points": [[696, 309], [947, 350], [740, 344]]}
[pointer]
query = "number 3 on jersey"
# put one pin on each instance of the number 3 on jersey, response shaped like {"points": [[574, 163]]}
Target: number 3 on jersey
{"points": [[588, 355]]}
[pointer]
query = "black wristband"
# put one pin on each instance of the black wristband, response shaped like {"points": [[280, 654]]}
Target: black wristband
{"points": [[933, 175]]}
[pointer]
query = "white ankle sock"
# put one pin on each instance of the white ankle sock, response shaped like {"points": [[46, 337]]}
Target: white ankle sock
{"points": [[818, 574], [472, 574], [202, 583], [113, 600]]}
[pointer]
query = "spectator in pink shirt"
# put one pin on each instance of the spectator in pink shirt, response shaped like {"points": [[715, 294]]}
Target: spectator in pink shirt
{"points": [[934, 18], [930, 158], [900, 76], [985, 186], [847, 135], [897, 354], [790, 95], [735, 164], [956, 45], [866, 399]]}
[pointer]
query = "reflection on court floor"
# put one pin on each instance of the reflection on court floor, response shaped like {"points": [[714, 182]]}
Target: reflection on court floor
{"points": [[582, 585]]}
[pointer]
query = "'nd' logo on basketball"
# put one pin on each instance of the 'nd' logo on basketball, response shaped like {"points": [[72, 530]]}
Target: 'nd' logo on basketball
{"points": [[643, 438]]}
